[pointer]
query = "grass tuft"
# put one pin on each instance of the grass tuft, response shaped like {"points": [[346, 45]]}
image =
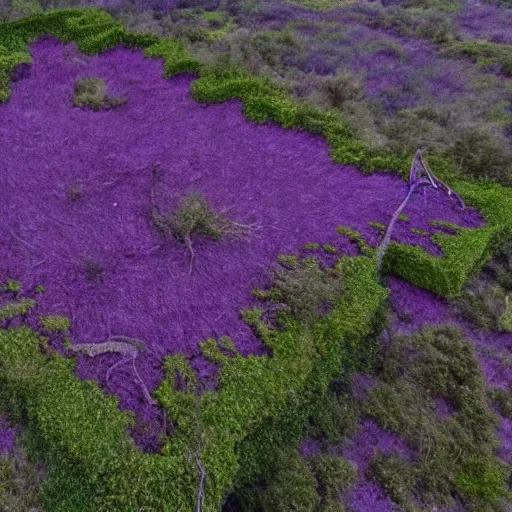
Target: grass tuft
{"points": [[90, 93]]}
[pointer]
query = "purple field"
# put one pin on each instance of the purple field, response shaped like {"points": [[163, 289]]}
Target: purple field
{"points": [[291, 192], [78, 190]]}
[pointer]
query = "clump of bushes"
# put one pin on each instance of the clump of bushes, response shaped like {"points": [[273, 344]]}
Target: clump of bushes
{"points": [[486, 300], [483, 155], [90, 93], [341, 88], [55, 323], [275, 48], [455, 454], [303, 288], [193, 217], [502, 400], [294, 483]]}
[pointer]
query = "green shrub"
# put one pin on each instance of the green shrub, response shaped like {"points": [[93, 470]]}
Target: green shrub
{"points": [[303, 287], [342, 88], [55, 323], [292, 487], [397, 476], [481, 155], [90, 93], [334, 476], [438, 363], [14, 309], [502, 400], [11, 286], [336, 417], [500, 54]]}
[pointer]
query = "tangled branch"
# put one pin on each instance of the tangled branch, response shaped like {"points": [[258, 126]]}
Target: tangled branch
{"points": [[200, 492], [129, 349], [419, 176]]}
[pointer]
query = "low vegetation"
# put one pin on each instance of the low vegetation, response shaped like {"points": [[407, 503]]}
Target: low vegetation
{"points": [[485, 301], [455, 454], [90, 93], [304, 288], [245, 434], [194, 217]]}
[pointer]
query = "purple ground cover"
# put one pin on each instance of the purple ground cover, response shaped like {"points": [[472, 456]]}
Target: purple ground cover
{"points": [[283, 181], [369, 440], [482, 21], [7, 437]]}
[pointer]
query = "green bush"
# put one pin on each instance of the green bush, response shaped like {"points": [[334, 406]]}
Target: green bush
{"points": [[342, 88], [500, 54], [502, 399], [55, 323], [90, 93], [455, 454], [396, 476], [482, 156], [292, 487]]}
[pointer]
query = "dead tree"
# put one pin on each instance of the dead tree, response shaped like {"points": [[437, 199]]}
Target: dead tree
{"points": [[419, 176]]}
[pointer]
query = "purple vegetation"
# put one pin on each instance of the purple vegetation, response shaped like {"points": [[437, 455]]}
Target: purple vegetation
{"points": [[365, 496], [7, 437], [292, 191], [310, 447], [371, 439], [443, 408], [505, 452], [483, 21], [361, 385]]}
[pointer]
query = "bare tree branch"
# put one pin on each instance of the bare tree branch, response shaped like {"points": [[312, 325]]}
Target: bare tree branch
{"points": [[419, 176]]}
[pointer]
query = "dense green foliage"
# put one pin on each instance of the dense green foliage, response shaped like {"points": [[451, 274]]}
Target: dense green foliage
{"points": [[456, 453]]}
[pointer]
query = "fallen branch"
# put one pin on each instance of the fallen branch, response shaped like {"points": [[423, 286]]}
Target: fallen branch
{"points": [[200, 492], [420, 176], [126, 348]]}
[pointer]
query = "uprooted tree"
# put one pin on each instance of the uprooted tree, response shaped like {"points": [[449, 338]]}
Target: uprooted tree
{"points": [[419, 176]]}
